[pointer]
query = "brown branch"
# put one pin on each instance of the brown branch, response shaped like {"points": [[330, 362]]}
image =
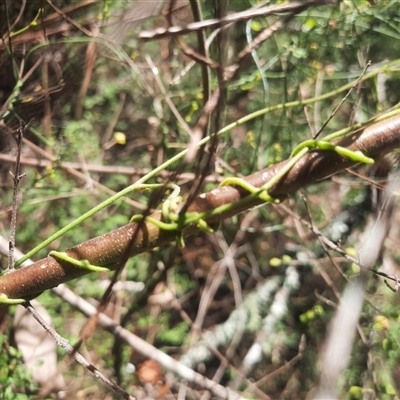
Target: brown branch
{"points": [[108, 250], [76, 355], [53, 25], [237, 17], [231, 70], [16, 178], [77, 174], [145, 348], [105, 169]]}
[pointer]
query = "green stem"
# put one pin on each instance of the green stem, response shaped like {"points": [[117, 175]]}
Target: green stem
{"points": [[136, 186], [26, 28], [140, 183], [312, 100]]}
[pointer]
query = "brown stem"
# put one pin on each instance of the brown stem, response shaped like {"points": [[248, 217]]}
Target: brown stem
{"points": [[107, 250], [240, 16]]}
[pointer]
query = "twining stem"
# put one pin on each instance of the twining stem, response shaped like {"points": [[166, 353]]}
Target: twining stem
{"points": [[312, 100], [106, 250], [140, 184]]}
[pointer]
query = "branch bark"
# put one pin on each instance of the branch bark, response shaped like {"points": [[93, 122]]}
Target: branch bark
{"points": [[135, 238], [237, 17]]}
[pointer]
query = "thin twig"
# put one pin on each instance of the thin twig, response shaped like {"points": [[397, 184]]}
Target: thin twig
{"points": [[114, 119], [206, 77], [340, 340], [364, 71], [73, 353], [214, 279], [80, 175], [17, 20], [180, 74], [107, 169], [289, 364], [167, 98], [334, 247], [230, 71], [16, 178], [146, 349], [237, 17]]}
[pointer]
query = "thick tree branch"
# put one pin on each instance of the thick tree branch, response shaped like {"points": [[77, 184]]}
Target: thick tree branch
{"points": [[109, 249]]}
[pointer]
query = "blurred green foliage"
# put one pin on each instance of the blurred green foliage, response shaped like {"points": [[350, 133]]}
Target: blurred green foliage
{"points": [[15, 380]]}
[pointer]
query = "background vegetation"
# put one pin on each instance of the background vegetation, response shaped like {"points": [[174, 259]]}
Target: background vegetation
{"points": [[95, 94]]}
